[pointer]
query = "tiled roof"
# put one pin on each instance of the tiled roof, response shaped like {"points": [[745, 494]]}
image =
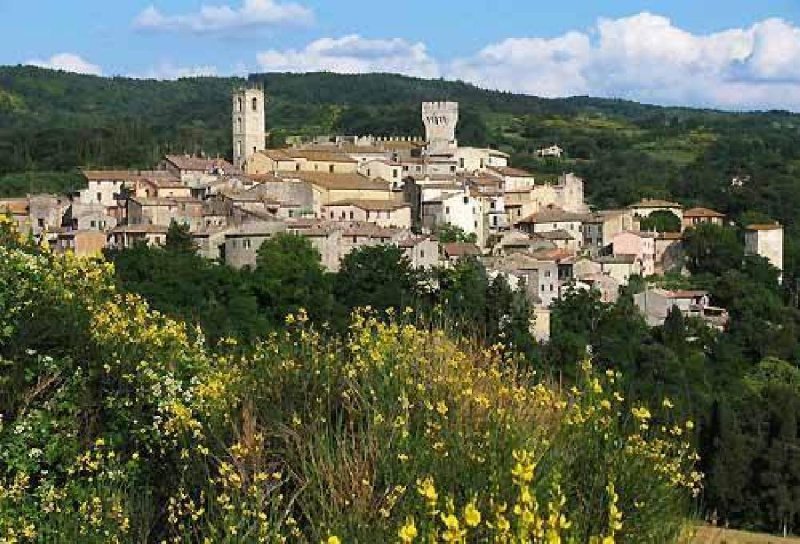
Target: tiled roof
{"points": [[461, 249], [144, 228], [184, 162], [511, 172], [560, 234], [371, 205], [774, 226], [341, 181], [551, 215], [702, 212], [321, 156], [655, 203], [15, 206], [277, 154]]}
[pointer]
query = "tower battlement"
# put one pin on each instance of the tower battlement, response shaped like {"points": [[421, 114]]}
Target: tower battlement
{"points": [[440, 120]]}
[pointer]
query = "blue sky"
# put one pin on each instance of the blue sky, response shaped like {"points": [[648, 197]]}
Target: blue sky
{"points": [[735, 54]]}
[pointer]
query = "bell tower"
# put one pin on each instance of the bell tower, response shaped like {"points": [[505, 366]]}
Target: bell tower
{"points": [[249, 123]]}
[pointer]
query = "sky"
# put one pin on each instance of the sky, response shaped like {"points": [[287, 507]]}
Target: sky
{"points": [[729, 54]]}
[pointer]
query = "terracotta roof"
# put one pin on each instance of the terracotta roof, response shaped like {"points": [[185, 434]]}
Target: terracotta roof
{"points": [[774, 226], [397, 145], [560, 234], [165, 201], [341, 181], [616, 259], [111, 175], [276, 154], [461, 249], [655, 203], [702, 212], [510, 172], [639, 233], [323, 156], [147, 229], [413, 241], [371, 205], [551, 214], [14, 206], [347, 148], [163, 182], [184, 162], [552, 254], [669, 236]]}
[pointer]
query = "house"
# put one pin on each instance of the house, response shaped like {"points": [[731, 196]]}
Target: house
{"points": [[605, 284], [358, 234], [513, 179], [163, 211], [600, 227], [646, 206], [516, 241], [561, 239], [473, 159], [105, 187], [196, 171], [159, 187], [458, 209], [421, 251], [765, 240], [698, 216], [126, 236], [18, 210], [655, 304], [243, 242], [81, 243], [329, 188], [552, 219], [641, 245], [539, 272], [552, 151], [210, 241], [382, 169], [620, 267], [331, 162], [385, 213], [455, 251], [89, 217]]}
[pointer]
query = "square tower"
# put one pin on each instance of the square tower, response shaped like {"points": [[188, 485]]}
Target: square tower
{"points": [[440, 120], [767, 241], [249, 124]]}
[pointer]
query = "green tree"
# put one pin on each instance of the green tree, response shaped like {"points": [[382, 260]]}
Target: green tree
{"points": [[661, 221], [289, 277], [179, 238], [711, 249], [448, 233], [380, 277]]}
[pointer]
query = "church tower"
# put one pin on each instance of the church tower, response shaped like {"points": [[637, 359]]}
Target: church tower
{"points": [[440, 120], [249, 124]]}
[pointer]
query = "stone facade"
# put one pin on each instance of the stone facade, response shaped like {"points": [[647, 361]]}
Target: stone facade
{"points": [[248, 120]]}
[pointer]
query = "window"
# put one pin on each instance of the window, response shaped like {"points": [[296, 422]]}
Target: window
{"points": [[93, 224], [40, 221], [331, 215], [238, 148], [351, 214], [355, 239], [421, 253], [546, 273], [453, 168], [405, 169], [239, 124], [491, 204], [246, 243], [255, 104], [254, 150], [482, 164], [395, 173], [494, 220], [316, 167], [330, 168], [466, 200], [461, 163], [297, 167], [551, 287], [99, 197], [369, 173], [240, 104], [447, 210]]}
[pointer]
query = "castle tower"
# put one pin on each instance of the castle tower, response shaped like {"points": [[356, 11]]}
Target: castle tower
{"points": [[440, 120], [249, 124]]}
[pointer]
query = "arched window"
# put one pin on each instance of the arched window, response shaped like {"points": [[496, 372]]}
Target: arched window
{"points": [[240, 104], [239, 124], [255, 104]]}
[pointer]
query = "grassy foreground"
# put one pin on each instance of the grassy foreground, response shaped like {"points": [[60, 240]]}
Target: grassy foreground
{"points": [[717, 535], [122, 425]]}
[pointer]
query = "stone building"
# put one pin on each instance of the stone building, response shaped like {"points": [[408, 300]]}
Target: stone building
{"points": [[248, 119], [243, 242], [767, 241], [440, 120]]}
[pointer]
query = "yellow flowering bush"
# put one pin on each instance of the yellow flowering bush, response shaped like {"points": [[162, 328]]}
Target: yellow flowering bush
{"points": [[119, 424]]}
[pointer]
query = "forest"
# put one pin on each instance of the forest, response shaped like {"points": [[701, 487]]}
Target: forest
{"points": [[741, 387]]}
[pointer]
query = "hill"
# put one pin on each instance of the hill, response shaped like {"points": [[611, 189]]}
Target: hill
{"points": [[55, 121]]}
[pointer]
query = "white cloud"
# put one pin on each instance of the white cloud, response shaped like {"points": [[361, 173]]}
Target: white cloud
{"points": [[216, 18], [69, 62], [353, 54], [167, 70], [646, 57]]}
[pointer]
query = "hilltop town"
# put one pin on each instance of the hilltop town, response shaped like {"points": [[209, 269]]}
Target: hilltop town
{"points": [[437, 200]]}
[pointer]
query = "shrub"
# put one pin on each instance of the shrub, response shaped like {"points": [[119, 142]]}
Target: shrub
{"points": [[130, 429]]}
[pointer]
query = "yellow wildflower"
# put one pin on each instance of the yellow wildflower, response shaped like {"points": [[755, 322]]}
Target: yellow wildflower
{"points": [[472, 516], [408, 532]]}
